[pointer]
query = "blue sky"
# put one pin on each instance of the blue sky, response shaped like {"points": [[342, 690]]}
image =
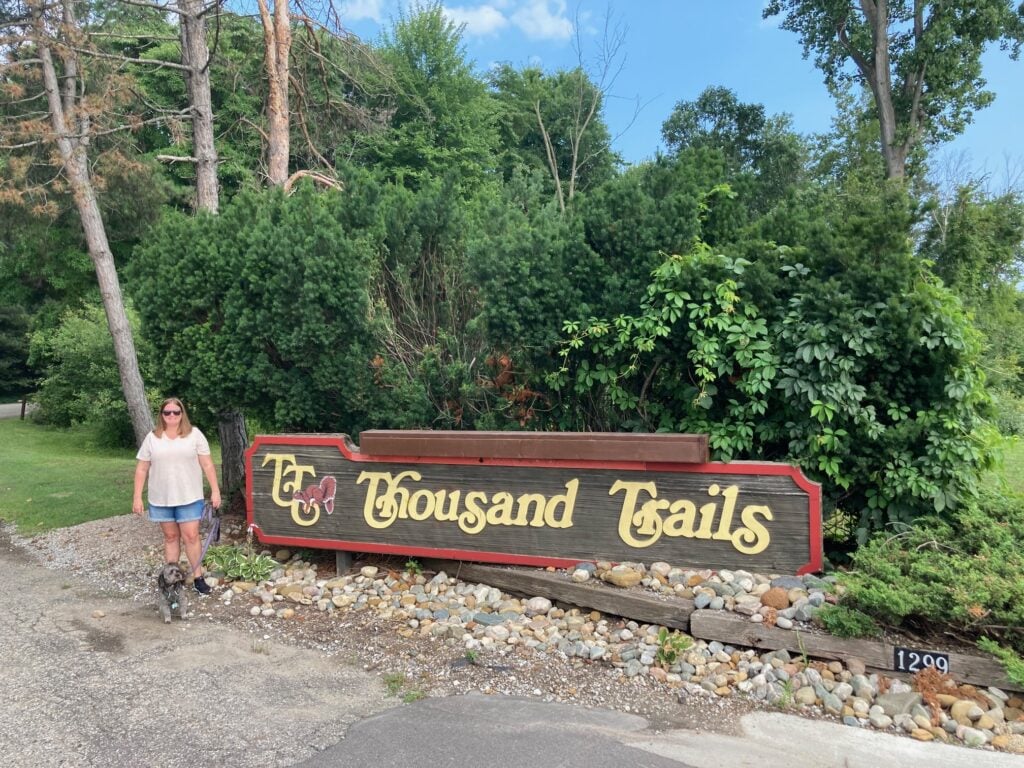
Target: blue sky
{"points": [[673, 49]]}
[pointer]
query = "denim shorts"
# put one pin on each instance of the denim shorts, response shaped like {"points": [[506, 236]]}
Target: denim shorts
{"points": [[182, 513]]}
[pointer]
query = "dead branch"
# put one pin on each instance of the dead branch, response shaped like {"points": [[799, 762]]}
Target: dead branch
{"points": [[319, 178]]}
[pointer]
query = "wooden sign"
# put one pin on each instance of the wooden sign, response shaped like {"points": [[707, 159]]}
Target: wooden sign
{"points": [[322, 491]]}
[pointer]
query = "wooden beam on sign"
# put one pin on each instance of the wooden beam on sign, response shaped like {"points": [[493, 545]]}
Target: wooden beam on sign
{"points": [[665, 611], [564, 446]]}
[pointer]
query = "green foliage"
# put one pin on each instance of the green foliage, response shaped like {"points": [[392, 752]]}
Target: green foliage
{"points": [[843, 621], [632, 221], [396, 682], [442, 118], [1012, 662], [965, 572], [946, 55], [239, 563], [80, 382], [671, 646], [264, 307], [413, 567], [564, 100], [976, 243], [764, 148], [16, 377], [843, 355]]}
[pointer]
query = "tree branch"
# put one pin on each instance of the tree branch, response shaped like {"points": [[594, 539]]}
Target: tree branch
{"points": [[160, 63]]}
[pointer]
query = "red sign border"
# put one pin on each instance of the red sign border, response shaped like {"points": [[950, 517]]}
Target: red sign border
{"points": [[347, 449]]}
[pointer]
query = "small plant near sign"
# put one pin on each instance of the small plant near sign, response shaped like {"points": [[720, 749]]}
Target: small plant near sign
{"points": [[671, 646], [785, 701], [239, 563], [395, 683], [413, 567]]}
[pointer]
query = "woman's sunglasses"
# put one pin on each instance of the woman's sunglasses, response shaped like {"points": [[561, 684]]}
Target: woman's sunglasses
{"points": [[170, 412]]}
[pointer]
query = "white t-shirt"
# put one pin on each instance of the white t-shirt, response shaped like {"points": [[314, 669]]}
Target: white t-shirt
{"points": [[175, 477]]}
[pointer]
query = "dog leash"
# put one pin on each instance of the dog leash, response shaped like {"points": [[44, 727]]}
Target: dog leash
{"points": [[214, 533]]}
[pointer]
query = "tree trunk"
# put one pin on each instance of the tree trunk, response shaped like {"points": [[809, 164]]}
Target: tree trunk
{"points": [[233, 442], [76, 166], [880, 80], [196, 56], [277, 42]]}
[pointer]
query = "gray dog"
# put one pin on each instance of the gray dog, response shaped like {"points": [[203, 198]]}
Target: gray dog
{"points": [[173, 595]]}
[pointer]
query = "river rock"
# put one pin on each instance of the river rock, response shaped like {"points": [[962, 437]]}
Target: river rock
{"points": [[537, 606], [776, 598], [898, 703], [622, 576]]}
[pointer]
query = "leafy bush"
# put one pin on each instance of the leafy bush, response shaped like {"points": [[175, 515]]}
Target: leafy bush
{"points": [[1009, 408], [966, 573], [1012, 662], [850, 360], [81, 383], [15, 375]]}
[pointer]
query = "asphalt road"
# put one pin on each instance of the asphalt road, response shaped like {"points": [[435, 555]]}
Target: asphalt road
{"points": [[125, 689], [13, 410], [97, 680]]}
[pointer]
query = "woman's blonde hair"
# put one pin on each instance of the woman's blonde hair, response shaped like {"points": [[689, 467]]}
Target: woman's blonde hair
{"points": [[184, 426]]}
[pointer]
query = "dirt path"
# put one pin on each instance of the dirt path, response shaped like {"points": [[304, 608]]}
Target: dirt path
{"points": [[122, 688]]}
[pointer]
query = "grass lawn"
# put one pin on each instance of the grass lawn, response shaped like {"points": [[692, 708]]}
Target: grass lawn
{"points": [[1013, 466], [51, 478]]}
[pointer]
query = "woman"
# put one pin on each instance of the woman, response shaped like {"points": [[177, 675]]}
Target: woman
{"points": [[175, 456]]}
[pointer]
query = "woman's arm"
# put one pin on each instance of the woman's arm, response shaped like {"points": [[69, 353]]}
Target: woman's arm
{"points": [[141, 472], [211, 477]]}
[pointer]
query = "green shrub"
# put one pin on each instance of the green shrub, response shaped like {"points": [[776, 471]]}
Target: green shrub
{"points": [[843, 621], [80, 383], [965, 573], [1009, 408], [851, 361], [1012, 662]]}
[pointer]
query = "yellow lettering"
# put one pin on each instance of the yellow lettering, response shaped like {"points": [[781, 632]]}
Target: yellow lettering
{"points": [[707, 515], [501, 511], [753, 538], [681, 523], [567, 501], [537, 500], [285, 464], [629, 517], [380, 511], [415, 513], [723, 533], [453, 507], [473, 519]]}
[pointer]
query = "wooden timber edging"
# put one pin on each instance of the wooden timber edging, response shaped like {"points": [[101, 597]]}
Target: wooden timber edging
{"points": [[723, 626], [877, 656], [564, 446], [670, 612]]}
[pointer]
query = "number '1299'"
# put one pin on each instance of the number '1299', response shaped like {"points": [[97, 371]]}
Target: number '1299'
{"points": [[909, 660]]}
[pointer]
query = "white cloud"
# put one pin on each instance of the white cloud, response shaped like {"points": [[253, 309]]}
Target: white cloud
{"points": [[355, 10], [543, 19], [480, 21]]}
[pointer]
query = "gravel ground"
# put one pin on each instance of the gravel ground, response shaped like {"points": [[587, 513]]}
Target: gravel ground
{"points": [[121, 556]]}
